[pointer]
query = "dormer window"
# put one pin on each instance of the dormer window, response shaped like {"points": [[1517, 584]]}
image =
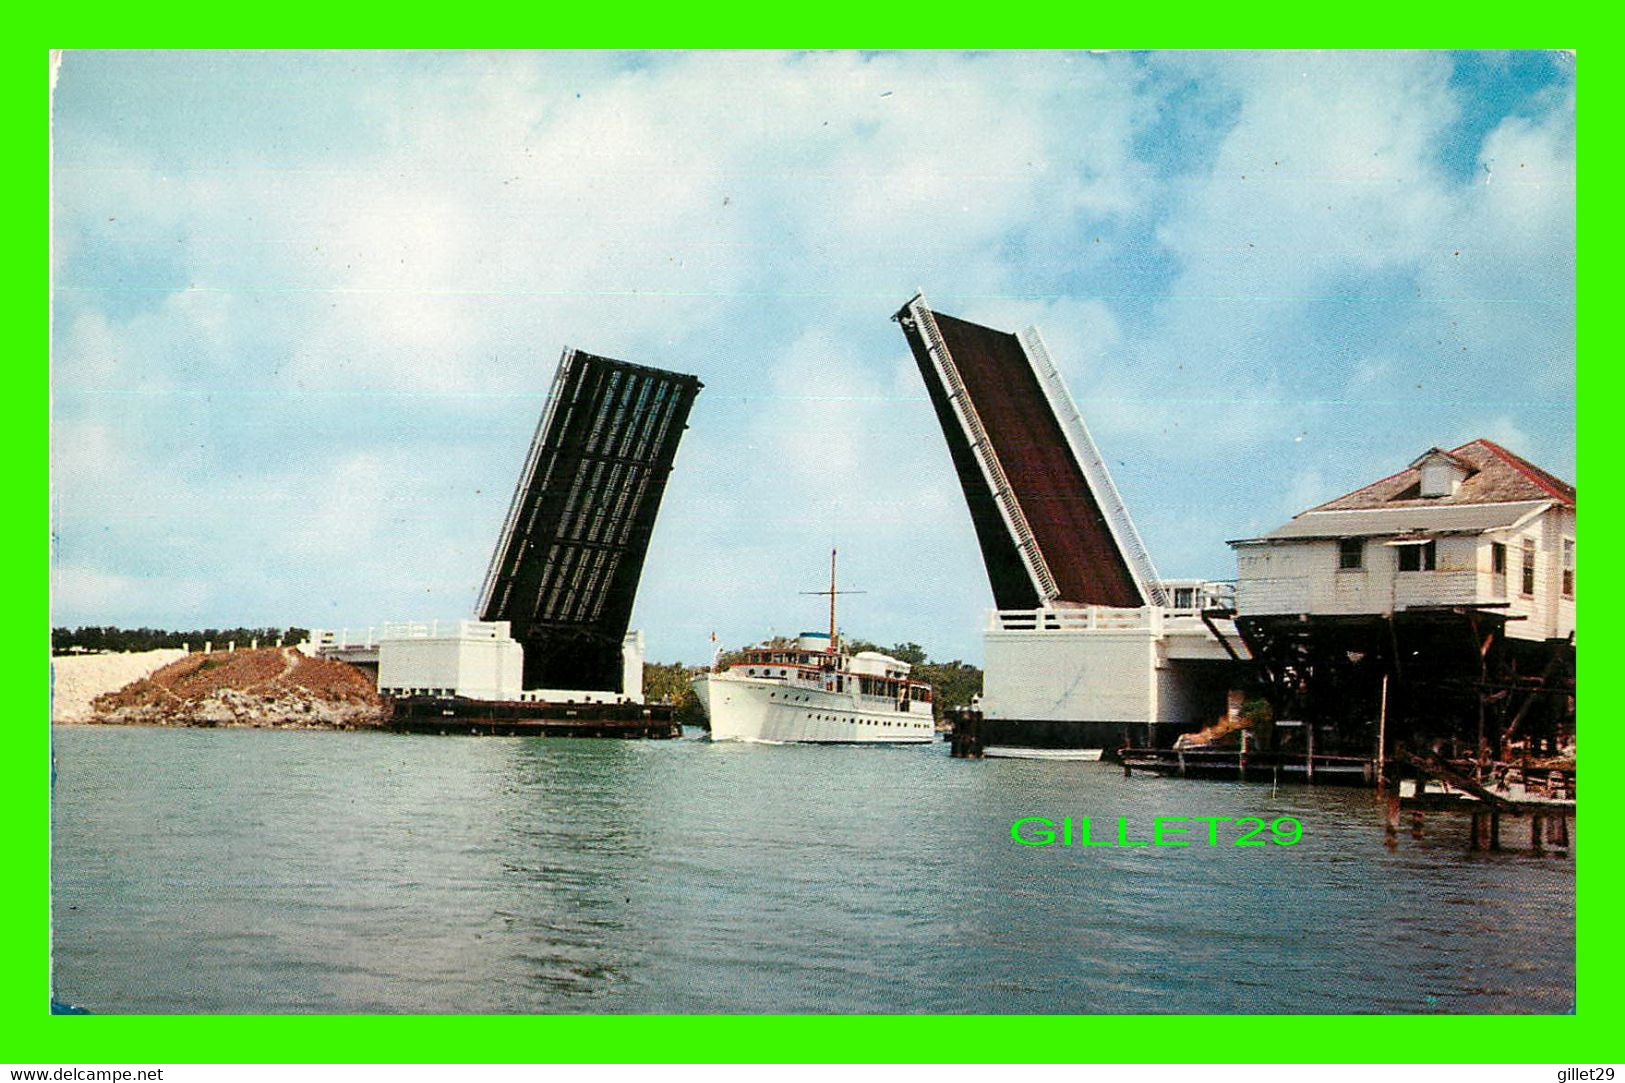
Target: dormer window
{"points": [[1441, 474]]}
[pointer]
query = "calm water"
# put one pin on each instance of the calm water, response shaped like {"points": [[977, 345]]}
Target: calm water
{"points": [[262, 871]]}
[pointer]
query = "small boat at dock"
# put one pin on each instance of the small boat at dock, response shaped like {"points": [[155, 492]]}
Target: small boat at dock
{"points": [[1016, 752]]}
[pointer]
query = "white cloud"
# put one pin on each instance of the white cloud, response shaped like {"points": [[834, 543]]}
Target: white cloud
{"points": [[123, 599]]}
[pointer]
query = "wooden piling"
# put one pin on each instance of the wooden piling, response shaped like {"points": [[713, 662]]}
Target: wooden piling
{"points": [[1560, 829], [1495, 829], [1416, 824], [967, 742], [1537, 833], [1382, 730], [1391, 831]]}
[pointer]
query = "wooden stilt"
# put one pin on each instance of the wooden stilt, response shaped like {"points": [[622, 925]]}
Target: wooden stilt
{"points": [[1560, 829], [1391, 829], [1495, 830], [1416, 824], [1382, 731], [1537, 831]]}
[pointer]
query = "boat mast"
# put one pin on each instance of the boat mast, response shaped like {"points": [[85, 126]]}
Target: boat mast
{"points": [[832, 592], [832, 601]]}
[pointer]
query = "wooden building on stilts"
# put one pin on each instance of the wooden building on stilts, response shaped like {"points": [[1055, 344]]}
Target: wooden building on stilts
{"points": [[1433, 610]]}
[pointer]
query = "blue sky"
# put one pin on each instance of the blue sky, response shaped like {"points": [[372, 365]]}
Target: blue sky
{"points": [[307, 307]]}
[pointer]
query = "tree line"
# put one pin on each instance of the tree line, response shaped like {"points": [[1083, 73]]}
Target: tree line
{"points": [[953, 684], [101, 639]]}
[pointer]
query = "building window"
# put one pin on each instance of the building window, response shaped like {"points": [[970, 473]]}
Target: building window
{"points": [[1568, 567], [1350, 554], [1529, 566], [1417, 558], [1498, 558], [1184, 597]]}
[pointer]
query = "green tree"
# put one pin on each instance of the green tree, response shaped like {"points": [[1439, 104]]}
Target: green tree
{"points": [[672, 683], [109, 638], [664, 682], [912, 653]]}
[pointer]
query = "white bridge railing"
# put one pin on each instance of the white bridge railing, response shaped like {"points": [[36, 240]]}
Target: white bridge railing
{"points": [[349, 639], [1091, 618], [1098, 618], [446, 629]]}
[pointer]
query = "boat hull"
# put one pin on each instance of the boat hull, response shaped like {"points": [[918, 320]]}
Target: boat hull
{"points": [[772, 712]]}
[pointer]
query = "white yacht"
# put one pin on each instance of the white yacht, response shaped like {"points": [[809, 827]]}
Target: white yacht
{"points": [[812, 691]]}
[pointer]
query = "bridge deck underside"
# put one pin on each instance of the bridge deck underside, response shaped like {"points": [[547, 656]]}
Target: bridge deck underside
{"points": [[567, 568]]}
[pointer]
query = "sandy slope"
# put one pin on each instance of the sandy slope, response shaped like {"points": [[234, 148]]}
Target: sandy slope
{"points": [[80, 678]]}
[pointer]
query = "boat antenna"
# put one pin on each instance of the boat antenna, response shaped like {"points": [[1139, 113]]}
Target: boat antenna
{"points": [[832, 592]]}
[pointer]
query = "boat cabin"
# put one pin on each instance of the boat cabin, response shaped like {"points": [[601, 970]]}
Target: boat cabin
{"points": [[811, 664]]}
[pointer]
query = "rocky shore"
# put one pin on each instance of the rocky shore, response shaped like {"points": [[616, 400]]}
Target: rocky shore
{"points": [[271, 687]]}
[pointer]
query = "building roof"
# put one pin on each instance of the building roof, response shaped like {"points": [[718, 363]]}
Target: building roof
{"points": [[1436, 452], [1434, 517], [1496, 476]]}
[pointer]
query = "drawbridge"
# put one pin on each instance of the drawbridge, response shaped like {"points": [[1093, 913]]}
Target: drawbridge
{"points": [[566, 568], [1052, 528], [1087, 648]]}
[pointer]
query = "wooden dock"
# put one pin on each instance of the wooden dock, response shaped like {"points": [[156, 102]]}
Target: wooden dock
{"points": [[508, 718], [1543, 798]]}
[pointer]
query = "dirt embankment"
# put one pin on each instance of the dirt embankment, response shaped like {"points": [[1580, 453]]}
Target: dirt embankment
{"points": [[279, 687]]}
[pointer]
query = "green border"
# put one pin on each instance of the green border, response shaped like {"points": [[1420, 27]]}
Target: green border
{"points": [[34, 1036]]}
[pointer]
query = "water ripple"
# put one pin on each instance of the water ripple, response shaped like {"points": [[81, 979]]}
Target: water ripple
{"points": [[257, 871]]}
